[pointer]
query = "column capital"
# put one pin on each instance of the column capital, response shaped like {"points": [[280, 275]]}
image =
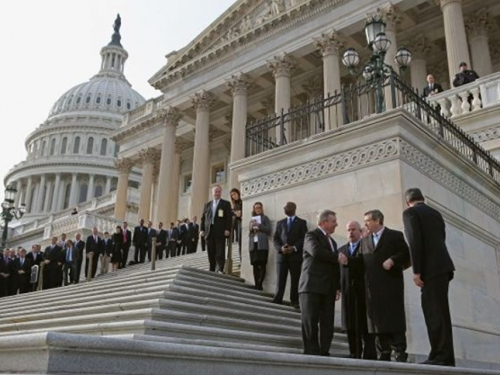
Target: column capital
{"points": [[419, 46], [124, 165], [478, 24], [182, 144], [329, 43], [149, 155], [203, 100], [391, 15], [443, 3], [281, 65], [170, 116], [239, 84]]}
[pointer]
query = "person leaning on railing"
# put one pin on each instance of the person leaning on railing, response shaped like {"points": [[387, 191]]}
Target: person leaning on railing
{"points": [[259, 232], [464, 76]]}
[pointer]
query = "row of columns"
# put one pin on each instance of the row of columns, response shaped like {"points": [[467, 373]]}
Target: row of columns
{"points": [[49, 194]]}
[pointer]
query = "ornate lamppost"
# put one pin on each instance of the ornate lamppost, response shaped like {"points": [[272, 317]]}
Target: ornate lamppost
{"points": [[9, 211], [375, 70]]}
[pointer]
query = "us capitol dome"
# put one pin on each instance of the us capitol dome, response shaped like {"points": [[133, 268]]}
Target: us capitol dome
{"points": [[70, 157]]}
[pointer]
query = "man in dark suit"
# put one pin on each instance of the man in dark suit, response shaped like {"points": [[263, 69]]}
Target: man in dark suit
{"points": [[385, 256], [196, 233], [92, 250], [6, 273], [319, 286], [352, 287], [288, 241], [161, 241], [105, 254], [216, 227], [432, 87], [188, 236], [35, 256], [180, 236], [151, 233], [127, 242], [70, 263], [22, 272], [140, 241], [80, 247], [432, 271], [172, 236], [53, 257]]}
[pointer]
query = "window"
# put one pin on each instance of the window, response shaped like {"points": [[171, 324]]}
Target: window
{"points": [[118, 103], [117, 150], [98, 191], [98, 99], [52, 146], [76, 145], [42, 152], [78, 100], [90, 145], [83, 193], [186, 185], [87, 100], [128, 105], [64, 145], [104, 146], [218, 173], [108, 100]]}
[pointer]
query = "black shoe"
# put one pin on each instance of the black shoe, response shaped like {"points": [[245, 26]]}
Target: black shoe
{"points": [[385, 357], [295, 305], [434, 362], [277, 302], [402, 357]]}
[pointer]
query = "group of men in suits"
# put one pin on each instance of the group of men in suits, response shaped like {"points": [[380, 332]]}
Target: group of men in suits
{"points": [[179, 239]]}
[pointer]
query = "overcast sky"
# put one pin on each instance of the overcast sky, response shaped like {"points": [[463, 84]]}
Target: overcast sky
{"points": [[49, 46]]}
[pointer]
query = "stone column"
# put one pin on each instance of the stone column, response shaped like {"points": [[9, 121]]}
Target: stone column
{"points": [[107, 188], [201, 161], [419, 48], [281, 67], [29, 194], [454, 30], [73, 194], [314, 90], [124, 167], [90, 189], [170, 117], [477, 27], [174, 208], [41, 189], [149, 157], [329, 45], [56, 197], [19, 186], [239, 85], [48, 195], [392, 19]]}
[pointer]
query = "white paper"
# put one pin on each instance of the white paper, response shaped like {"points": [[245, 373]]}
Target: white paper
{"points": [[257, 219]]}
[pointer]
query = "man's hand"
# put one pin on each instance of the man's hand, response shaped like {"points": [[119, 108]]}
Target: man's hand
{"points": [[227, 233], [418, 281], [342, 259], [286, 249], [21, 272], [59, 264], [388, 264], [337, 295], [202, 233]]}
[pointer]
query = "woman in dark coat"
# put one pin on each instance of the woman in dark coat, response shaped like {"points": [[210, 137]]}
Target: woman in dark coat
{"points": [[237, 206], [116, 255], [259, 232]]}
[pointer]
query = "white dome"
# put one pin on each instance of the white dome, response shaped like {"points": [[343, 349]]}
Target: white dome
{"points": [[101, 93]]}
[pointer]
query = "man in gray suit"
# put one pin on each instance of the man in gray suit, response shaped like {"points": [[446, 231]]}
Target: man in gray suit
{"points": [[319, 286]]}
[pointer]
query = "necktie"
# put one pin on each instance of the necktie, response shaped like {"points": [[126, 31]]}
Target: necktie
{"points": [[329, 242], [68, 255], [22, 261], [288, 224], [214, 208], [95, 239], [352, 249], [124, 236], [375, 239]]}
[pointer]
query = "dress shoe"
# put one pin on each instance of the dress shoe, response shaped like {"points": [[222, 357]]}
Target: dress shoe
{"points": [[402, 357], [385, 357], [434, 362], [295, 305]]}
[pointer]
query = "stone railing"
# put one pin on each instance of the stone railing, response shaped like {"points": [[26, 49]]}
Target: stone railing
{"points": [[482, 93], [72, 224]]}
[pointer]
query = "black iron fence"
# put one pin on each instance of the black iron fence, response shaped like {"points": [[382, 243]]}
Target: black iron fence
{"points": [[354, 103]]}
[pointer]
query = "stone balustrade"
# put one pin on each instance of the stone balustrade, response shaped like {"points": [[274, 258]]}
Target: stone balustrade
{"points": [[483, 93]]}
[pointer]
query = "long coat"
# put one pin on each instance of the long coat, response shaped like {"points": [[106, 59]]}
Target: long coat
{"points": [[385, 289], [262, 234]]}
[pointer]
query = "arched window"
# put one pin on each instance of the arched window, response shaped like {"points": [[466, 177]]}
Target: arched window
{"points": [[90, 145], [128, 105], [76, 145], [98, 99], [64, 145], [118, 103], [87, 100], [42, 152], [108, 100], [52, 146], [104, 146], [98, 191], [83, 193], [78, 100]]}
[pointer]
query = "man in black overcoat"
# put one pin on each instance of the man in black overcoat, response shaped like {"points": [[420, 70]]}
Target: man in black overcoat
{"points": [[432, 272], [53, 257], [140, 241], [92, 250]]}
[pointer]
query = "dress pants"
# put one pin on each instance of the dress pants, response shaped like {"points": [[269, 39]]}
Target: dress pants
{"points": [[95, 260], [317, 313], [216, 247], [387, 342], [69, 272], [171, 245], [437, 319], [362, 344], [104, 259], [282, 270], [125, 256]]}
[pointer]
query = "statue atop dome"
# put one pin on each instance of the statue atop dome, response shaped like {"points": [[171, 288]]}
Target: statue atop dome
{"points": [[116, 37]]}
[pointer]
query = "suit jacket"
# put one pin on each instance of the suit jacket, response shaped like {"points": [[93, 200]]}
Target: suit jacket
{"points": [[162, 237], [426, 235], [320, 268], [80, 246], [93, 246], [55, 255], [129, 239], [222, 220], [26, 267], [295, 237], [172, 234], [151, 233], [352, 287], [263, 232], [385, 289], [195, 228], [74, 254], [106, 247], [437, 88], [140, 236], [465, 77], [35, 259]]}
